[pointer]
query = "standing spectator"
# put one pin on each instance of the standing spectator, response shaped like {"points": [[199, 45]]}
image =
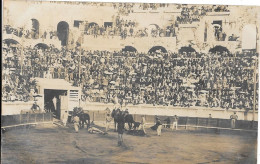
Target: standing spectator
{"points": [[143, 124], [65, 118], [175, 122], [131, 31], [76, 123], [233, 118], [108, 119], [159, 126]]}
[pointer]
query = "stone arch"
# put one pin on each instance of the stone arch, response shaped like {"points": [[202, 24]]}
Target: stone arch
{"points": [[218, 48], [157, 48], [129, 48], [152, 27], [11, 42], [63, 32], [187, 49], [42, 46], [249, 37]]}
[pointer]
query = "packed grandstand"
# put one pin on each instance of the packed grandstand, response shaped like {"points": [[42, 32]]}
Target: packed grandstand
{"points": [[186, 78]]}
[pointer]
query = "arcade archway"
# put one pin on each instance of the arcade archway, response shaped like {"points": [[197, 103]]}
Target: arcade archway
{"points": [[187, 49], [157, 49], [129, 49], [219, 49], [63, 32], [42, 46], [11, 42]]}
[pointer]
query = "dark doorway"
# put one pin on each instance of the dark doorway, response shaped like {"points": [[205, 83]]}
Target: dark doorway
{"points": [[108, 24], [77, 23], [63, 32], [158, 49], [219, 22], [52, 102], [92, 24], [35, 29]]}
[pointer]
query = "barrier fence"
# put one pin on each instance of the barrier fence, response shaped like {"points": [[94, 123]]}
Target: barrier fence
{"points": [[186, 121], [99, 116], [25, 119]]}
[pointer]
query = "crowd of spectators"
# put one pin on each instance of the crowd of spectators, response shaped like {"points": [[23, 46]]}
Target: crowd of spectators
{"points": [[189, 15], [194, 13], [170, 79], [121, 27], [29, 34], [127, 28], [16, 86]]}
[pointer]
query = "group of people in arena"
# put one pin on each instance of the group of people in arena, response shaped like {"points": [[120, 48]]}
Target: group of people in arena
{"points": [[120, 127], [141, 126], [157, 78]]}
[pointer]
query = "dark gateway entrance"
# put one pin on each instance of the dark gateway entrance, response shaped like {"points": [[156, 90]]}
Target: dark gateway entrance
{"points": [[63, 32], [53, 101]]}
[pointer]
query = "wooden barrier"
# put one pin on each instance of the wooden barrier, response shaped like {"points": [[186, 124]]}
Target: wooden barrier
{"points": [[186, 122], [25, 119]]}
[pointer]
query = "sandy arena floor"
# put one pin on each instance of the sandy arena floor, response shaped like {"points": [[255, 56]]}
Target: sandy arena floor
{"points": [[54, 144]]}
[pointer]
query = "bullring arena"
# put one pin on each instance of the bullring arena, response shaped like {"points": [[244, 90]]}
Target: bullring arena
{"points": [[184, 77]]}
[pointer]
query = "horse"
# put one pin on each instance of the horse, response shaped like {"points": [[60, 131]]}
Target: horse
{"points": [[84, 118], [128, 118]]}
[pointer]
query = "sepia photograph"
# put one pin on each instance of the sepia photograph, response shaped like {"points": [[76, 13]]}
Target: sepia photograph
{"points": [[129, 82]]}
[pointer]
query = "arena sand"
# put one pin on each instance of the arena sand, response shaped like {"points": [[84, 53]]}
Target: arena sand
{"points": [[54, 144]]}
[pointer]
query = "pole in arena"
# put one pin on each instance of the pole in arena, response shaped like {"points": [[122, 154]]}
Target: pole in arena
{"points": [[22, 56], [22, 59], [256, 61], [81, 39]]}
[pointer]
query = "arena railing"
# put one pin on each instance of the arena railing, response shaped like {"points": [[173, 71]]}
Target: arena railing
{"points": [[188, 122], [10, 121]]}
